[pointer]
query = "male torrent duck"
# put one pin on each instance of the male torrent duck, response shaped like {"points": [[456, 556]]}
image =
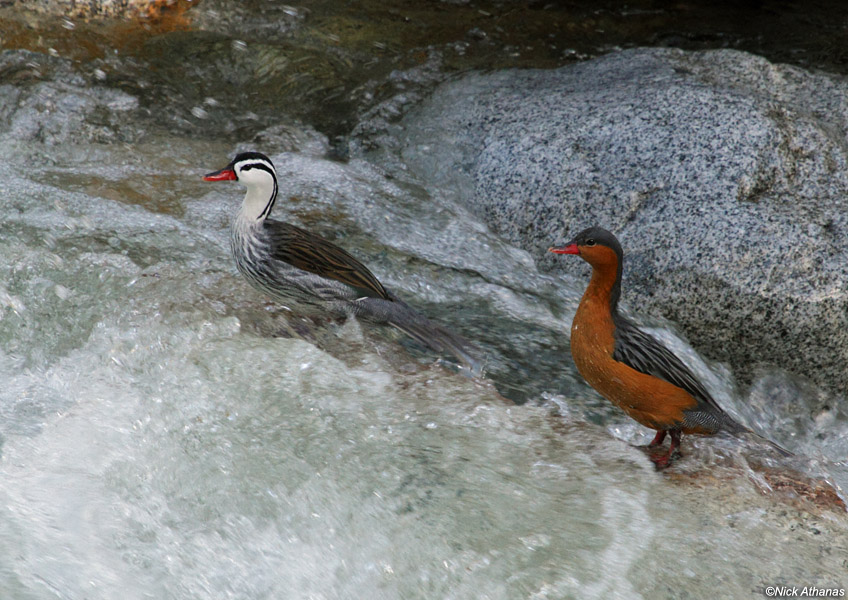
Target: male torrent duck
{"points": [[311, 275]]}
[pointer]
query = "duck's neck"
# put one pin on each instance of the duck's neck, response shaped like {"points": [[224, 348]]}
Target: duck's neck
{"points": [[257, 204], [604, 288]]}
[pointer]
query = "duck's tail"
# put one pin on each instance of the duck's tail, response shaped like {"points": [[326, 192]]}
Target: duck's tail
{"points": [[783, 451], [730, 425], [436, 337]]}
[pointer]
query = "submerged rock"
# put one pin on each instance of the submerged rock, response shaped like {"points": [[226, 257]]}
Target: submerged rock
{"points": [[723, 175], [42, 99]]}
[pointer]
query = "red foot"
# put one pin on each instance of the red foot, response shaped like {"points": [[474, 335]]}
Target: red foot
{"points": [[658, 439], [663, 460]]}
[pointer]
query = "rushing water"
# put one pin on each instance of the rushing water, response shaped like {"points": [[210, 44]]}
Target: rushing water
{"points": [[168, 433]]}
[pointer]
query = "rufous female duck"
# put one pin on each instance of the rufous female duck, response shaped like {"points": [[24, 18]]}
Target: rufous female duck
{"points": [[629, 367]]}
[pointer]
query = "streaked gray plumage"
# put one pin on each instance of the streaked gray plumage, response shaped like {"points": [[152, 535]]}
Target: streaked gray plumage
{"points": [[313, 276]]}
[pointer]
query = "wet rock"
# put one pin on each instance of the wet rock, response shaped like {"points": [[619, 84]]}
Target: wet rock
{"points": [[723, 175], [43, 100], [273, 21], [98, 8]]}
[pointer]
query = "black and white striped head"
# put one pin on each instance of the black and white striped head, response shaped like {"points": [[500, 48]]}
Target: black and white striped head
{"points": [[256, 172]]}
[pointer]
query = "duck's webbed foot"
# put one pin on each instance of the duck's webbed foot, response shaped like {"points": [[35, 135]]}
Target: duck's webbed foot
{"points": [[661, 461], [658, 439]]}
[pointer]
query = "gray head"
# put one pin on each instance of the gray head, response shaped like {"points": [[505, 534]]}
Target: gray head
{"points": [[588, 243], [601, 249]]}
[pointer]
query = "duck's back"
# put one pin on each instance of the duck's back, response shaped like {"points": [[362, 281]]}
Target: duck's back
{"points": [[301, 270]]}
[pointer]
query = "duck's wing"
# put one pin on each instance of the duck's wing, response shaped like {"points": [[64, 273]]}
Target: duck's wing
{"points": [[644, 353], [313, 253]]}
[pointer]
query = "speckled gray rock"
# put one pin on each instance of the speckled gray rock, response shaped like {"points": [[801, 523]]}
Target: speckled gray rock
{"points": [[723, 175]]}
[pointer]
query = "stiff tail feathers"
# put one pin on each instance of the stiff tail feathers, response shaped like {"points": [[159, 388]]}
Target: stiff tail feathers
{"points": [[780, 449], [440, 339], [783, 451], [736, 428]]}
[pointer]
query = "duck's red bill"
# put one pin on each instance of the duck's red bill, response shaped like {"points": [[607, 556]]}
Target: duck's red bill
{"points": [[225, 174], [567, 249]]}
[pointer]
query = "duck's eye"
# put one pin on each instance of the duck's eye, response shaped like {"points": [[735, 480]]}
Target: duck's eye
{"points": [[589, 242], [247, 167]]}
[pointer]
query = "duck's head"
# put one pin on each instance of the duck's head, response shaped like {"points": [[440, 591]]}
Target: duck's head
{"points": [[256, 172], [595, 245]]}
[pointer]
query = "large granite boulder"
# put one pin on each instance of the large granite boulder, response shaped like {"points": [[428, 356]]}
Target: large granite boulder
{"points": [[723, 175]]}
